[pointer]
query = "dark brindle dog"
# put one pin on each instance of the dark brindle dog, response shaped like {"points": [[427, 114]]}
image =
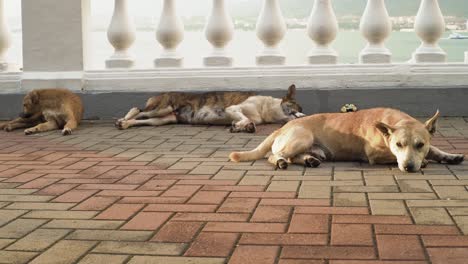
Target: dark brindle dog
{"points": [[244, 110]]}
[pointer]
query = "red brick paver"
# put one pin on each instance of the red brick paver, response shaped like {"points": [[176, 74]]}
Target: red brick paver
{"points": [[169, 195]]}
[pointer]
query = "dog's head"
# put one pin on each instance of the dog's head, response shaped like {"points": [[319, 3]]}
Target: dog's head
{"points": [[410, 143], [30, 104], [289, 104]]}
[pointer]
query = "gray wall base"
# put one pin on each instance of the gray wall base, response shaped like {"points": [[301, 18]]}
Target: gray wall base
{"points": [[415, 101]]}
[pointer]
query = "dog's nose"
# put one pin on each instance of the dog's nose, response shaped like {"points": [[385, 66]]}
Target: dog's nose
{"points": [[409, 167]]}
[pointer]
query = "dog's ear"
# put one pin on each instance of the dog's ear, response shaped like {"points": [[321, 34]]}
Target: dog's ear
{"points": [[34, 96], [431, 124], [291, 92], [385, 129]]}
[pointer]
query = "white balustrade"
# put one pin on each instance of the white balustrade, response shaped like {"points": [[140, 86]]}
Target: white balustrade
{"points": [[170, 33], [375, 27], [121, 35], [322, 29], [271, 29], [219, 32], [466, 56], [5, 38], [429, 26]]}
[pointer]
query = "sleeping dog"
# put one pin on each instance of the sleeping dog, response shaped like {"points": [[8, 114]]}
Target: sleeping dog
{"points": [[48, 109], [242, 110], [377, 136]]}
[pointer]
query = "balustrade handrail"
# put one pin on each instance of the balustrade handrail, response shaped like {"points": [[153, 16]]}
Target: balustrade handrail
{"points": [[322, 29]]}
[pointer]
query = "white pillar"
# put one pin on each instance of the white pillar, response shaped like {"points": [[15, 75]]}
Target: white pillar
{"points": [[219, 31], [322, 29], [466, 56], [375, 27], [55, 43], [5, 38], [271, 29], [170, 33], [429, 26], [121, 35]]}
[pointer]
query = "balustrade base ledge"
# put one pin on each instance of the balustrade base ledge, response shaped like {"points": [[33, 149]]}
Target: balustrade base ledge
{"points": [[416, 88]]}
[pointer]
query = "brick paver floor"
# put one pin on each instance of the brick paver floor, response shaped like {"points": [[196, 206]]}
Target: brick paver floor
{"points": [[169, 195]]}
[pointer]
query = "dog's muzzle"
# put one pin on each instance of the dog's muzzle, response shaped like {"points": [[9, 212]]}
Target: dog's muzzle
{"points": [[24, 115]]}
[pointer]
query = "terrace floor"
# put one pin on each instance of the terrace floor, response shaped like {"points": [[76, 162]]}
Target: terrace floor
{"points": [[169, 195]]}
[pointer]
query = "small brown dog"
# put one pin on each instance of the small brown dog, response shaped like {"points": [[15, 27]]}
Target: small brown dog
{"points": [[46, 110]]}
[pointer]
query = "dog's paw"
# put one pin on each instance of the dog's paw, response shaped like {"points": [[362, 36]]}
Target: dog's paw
{"points": [[250, 128], [234, 129], [424, 164], [457, 159], [122, 125], [282, 164], [312, 162], [29, 131], [8, 128], [66, 132]]}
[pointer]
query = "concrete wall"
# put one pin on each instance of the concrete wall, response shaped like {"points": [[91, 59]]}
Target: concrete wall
{"points": [[417, 102]]}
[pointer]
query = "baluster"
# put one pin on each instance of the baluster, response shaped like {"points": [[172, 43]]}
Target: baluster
{"points": [[375, 27], [5, 38], [169, 34], [121, 35], [271, 29], [466, 56], [429, 26], [219, 32], [322, 29]]}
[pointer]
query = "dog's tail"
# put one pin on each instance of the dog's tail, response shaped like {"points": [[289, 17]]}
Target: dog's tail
{"points": [[258, 152]]}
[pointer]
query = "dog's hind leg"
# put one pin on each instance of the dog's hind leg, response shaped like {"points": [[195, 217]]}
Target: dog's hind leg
{"points": [[307, 160], [241, 123], [44, 127], [170, 119], [438, 155], [154, 113], [293, 143]]}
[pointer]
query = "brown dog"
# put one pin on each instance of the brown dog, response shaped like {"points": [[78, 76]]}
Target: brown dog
{"points": [[377, 136], [48, 109]]}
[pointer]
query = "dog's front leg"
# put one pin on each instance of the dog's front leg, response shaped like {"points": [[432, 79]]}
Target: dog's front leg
{"points": [[440, 156], [71, 125], [21, 122], [44, 127], [241, 123]]}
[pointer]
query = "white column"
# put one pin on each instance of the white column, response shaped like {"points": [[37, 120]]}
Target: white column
{"points": [[55, 46], [322, 29], [429, 26], [170, 33], [375, 27], [219, 32], [466, 56], [5, 39], [271, 29], [121, 35]]}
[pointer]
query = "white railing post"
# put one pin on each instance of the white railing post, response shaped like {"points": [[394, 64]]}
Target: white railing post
{"points": [[466, 56], [322, 29], [375, 27], [121, 35], [5, 38], [271, 29], [170, 33], [429, 26], [219, 32]]}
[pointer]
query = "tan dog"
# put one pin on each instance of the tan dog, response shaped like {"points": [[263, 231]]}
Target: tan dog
{"points": [[377, 136], [244, 110], [48, 109]]}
